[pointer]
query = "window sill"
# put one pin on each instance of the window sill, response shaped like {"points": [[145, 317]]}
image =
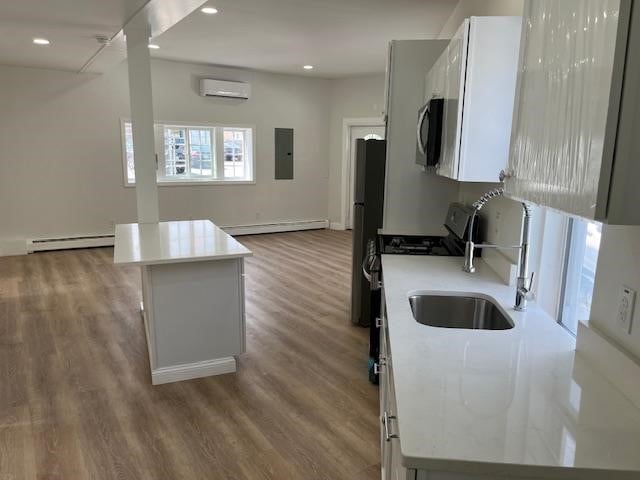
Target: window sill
{"points": [[191, 183]]}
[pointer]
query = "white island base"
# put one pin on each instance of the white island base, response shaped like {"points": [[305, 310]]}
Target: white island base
{"points": [[192, 296]]}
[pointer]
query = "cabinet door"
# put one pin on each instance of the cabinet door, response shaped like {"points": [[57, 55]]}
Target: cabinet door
{"points": [[396, 471], [382, 378], [383, 385], [454, 60], [391, 457], [489, 96], [565, 76], [243, 314], [387, 82], [385, 447]]}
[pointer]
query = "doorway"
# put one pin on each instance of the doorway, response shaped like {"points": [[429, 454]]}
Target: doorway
{"points": [[355, 132]]}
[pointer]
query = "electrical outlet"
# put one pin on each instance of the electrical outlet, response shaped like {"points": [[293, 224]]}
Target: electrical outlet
{"points": [[626, 303]]}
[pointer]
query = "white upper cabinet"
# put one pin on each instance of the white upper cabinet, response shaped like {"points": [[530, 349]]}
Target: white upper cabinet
{"points": [[576, 123], [476, 76]]}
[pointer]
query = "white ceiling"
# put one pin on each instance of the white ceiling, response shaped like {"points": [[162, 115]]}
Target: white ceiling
{"points": [[70, 25], [339, 37]]}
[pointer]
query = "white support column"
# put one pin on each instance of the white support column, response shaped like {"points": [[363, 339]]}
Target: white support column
{"points": [[141, 99]]}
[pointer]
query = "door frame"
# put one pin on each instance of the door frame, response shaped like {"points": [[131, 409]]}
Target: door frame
{"points": [[347, 124]]}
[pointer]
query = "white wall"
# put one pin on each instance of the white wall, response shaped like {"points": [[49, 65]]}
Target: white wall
{"points": [[502, 217], [60, 165], [467, 8], [61, 168], [356, 97], [415, 201], [618, 265]]}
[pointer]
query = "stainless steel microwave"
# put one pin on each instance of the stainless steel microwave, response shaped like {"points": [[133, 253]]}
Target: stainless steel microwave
{"points": [[429, 132]]}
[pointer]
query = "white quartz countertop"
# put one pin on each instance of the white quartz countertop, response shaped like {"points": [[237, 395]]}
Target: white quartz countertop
{"points": [[511, 403], [174, 242]]}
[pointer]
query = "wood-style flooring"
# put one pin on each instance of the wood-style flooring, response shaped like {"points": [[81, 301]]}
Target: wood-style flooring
{"points": [[75, 395]]}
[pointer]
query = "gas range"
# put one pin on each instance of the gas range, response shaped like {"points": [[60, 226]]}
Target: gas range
{"points": [[418, 245], [452, 245]]}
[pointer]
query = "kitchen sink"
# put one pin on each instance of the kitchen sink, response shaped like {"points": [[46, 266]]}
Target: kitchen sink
{"points": [[459, 311]]}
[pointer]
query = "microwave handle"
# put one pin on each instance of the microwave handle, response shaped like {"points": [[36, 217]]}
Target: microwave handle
{"points": [[421, 117]]}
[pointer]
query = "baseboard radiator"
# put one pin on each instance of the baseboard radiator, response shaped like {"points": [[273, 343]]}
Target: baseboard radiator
{"points": [[237, 230], [89, 241], [68, 243]]}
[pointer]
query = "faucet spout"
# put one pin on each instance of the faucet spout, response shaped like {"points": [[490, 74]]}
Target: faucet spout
{"points": [[524, 283]]}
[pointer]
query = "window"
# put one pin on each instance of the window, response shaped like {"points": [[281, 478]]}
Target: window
{"points": [[196, 154], [373, 136], [127, 135], [234, 152], [583, 245], [200, 153]]}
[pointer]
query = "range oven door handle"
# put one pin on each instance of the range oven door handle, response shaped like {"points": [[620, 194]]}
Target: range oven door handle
{"points": [[366, 274]]}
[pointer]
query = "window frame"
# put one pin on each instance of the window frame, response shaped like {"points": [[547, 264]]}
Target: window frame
{"points": [[554, 261], [571, 270], [217, 147]]}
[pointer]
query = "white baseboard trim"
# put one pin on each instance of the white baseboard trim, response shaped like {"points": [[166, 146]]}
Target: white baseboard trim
{"points": [[337, 226], [10, 247], [178, 373], [611, 361], [276, 227], [65, 243]]}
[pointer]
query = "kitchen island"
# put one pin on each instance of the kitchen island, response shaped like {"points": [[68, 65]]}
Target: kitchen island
{"points": [[494, 404], [192, 295]]}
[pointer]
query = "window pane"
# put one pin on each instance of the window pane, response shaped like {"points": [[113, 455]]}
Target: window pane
{"points": [[584, 245], [128, 149], [200, 152], [191, 153], [236, 152], [175, 152]]}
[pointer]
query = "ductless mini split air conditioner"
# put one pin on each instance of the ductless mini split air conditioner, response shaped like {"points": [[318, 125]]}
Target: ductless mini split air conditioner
{"points": [[221, 88]]}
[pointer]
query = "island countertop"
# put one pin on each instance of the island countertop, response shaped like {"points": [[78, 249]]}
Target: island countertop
{"points": [[518, 403], [174, 242]]}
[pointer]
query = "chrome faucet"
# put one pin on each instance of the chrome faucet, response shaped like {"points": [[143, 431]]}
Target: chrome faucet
{"points": [[524, 283]]}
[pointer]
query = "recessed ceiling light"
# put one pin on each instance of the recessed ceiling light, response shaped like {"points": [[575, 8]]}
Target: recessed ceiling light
{"points": [[209, 10], [308, 67], [41, 41], [153, 46]]}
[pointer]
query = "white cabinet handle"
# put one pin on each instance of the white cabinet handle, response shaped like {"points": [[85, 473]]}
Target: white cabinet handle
{"points": [[504, 174], [376, 366], [385, 423]]}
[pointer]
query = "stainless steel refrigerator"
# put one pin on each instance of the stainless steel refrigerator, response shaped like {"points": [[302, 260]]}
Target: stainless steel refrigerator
{"points": [[367, 219]]}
